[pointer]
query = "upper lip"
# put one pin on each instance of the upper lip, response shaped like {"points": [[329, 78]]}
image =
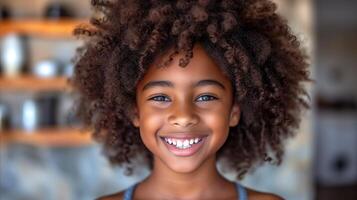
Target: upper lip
{"points": [[184, 135]]}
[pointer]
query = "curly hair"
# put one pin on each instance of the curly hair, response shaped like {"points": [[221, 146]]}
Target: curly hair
{"points": [[247, 38]]}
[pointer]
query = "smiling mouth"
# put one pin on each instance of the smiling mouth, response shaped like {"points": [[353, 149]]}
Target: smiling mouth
{"points": [[182, 143], [183, 146]]}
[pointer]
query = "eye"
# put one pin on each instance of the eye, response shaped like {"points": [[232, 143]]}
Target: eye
{"points": [[160, 98], [206, 98]]}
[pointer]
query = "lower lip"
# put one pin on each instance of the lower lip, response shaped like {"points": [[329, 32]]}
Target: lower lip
{"points": [[185, 152]]}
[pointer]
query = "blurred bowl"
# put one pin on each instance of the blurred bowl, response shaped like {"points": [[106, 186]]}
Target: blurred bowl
{"points": [[47, 68]]}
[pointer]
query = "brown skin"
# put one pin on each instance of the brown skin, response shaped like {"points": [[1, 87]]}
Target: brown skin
{"points": [[183, 108], [252, 195]]}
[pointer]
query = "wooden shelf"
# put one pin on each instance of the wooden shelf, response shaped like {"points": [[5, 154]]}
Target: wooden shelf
{"points": [[47, 28], [61, 137], [34, 84]]}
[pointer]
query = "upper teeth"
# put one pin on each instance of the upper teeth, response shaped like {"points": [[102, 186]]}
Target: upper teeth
{"points": [[183, 144]]}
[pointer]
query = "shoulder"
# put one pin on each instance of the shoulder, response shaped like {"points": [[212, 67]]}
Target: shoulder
{"points": [[115, 196], [257, 195]]}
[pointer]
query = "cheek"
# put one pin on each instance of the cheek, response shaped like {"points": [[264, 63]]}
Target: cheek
{"points": [[150, 123], [218, 121], [218, 115]]}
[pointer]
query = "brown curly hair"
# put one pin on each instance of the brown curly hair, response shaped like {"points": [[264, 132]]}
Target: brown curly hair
{"points": [[252, 44]]}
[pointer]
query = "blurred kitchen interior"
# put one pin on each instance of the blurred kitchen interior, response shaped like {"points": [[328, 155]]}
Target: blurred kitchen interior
{"points": [[44, 153]]}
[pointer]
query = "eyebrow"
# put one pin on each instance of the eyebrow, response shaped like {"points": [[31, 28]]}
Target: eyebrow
{"points": [[206, 82]]}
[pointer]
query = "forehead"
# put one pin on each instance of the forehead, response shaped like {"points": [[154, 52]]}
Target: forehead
{"points": [[201, 66]]}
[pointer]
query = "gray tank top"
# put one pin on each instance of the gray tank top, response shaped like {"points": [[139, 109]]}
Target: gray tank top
{"points": [[242, 192]]}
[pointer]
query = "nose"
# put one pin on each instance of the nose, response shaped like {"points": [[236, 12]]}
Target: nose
{"points": [[183, 116]]}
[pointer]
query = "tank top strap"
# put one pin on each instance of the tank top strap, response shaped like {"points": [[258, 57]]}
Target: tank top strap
{"points": [[242, 192], [128, 193]]}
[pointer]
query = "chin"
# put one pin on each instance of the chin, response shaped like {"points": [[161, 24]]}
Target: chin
{"points": [[182, 166]]}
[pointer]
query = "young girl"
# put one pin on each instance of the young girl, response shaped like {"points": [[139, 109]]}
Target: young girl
{"points": [[188, 84]]}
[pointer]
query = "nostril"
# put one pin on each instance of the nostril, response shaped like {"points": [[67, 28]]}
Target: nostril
{"points": [[182, 124], [183, 121]]}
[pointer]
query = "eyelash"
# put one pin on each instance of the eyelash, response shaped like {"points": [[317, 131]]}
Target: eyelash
{"points": [[210, 96]]}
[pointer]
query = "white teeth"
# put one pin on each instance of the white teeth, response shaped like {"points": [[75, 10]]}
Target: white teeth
{"points": [[179, 143], [196, 140], [182, 144], [186, 143]]}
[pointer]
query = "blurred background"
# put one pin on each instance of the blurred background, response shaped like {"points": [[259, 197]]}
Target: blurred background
{"points": [[44, 154]]}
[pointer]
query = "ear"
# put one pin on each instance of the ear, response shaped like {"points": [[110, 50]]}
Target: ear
{"points": [[134, 116], [234, 116]]}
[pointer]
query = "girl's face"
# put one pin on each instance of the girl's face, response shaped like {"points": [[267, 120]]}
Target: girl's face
{"points": [[184, 114]]}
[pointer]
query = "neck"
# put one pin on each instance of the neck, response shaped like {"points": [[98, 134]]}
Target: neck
{"points": [[197, 183]]}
